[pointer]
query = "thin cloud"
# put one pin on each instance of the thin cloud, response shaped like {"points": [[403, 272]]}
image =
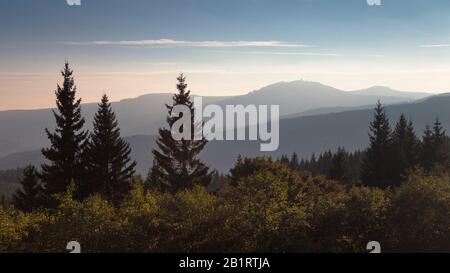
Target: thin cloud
{"points": [[291, 53], [436, 46], [179, 43]]}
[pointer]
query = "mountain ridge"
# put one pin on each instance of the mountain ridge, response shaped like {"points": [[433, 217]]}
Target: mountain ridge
{"points": [[305, 135], [23, 130]]}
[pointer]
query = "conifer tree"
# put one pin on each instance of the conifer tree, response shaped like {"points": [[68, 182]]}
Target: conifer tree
{"points": [[177, 165], [285, 160], [294, 163], [339, 169], [426, 149], [313, 164], [405, 149], [31, 194], [109, 166], [64, 164], [376, 170], [435, 152], [151, 182], [441, 145]]}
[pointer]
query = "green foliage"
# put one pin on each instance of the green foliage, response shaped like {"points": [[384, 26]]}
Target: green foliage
{"points": [[16, 228], [247, 167], [365, 217], [420, 214], [265, 211]]}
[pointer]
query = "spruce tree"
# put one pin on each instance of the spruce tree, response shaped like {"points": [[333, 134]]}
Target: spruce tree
{"points": [[413, 142], [435, 153], [427, 149], [376, 170], [285, 160], [109, 165], [151, 182], [405, 149], [339, 169], [31, 194], [64, 164], [177, 166], [294, 162], [441, 146]]}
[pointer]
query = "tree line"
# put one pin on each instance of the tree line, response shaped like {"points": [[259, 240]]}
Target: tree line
{"points": [[391, 154]]}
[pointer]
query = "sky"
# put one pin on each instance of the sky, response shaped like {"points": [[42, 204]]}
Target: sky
{"points": [[127, 48]]}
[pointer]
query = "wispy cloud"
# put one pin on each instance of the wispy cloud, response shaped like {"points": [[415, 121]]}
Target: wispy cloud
{"points": [[179, 43], [291, 53], [436, 46]]}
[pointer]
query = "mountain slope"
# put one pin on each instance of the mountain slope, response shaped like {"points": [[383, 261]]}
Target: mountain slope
{"points": [[304, 135], [388, 92], [23, 130], [300, 96]]}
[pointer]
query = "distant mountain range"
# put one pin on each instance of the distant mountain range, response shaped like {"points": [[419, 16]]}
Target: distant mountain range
{"points": [[23, 130], [388, 92], [304, 134]]}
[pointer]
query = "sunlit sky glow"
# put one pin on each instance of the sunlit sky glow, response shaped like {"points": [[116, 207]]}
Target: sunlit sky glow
{"points": [[225, 47]]}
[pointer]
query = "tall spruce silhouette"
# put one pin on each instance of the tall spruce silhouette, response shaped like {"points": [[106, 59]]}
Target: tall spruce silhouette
{"points": [[31, 195], [176, 166], [109, 165], [405, 149], [64, 165], [377, 168]]}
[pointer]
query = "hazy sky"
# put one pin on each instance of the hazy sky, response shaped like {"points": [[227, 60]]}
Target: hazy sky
{"points": [[132, 47]]}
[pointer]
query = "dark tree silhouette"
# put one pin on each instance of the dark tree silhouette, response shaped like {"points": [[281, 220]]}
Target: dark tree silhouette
{"points": [[340, 167], [177, 165], [435, 148], [377, 168], [64, 165], [294, 163], [31, 194], [109, 165], [405, 148], [151, 182]]}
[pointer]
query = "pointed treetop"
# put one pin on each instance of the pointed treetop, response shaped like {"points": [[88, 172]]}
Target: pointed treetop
{"points": [[67, 72], [438, 130], [105, 99]]}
